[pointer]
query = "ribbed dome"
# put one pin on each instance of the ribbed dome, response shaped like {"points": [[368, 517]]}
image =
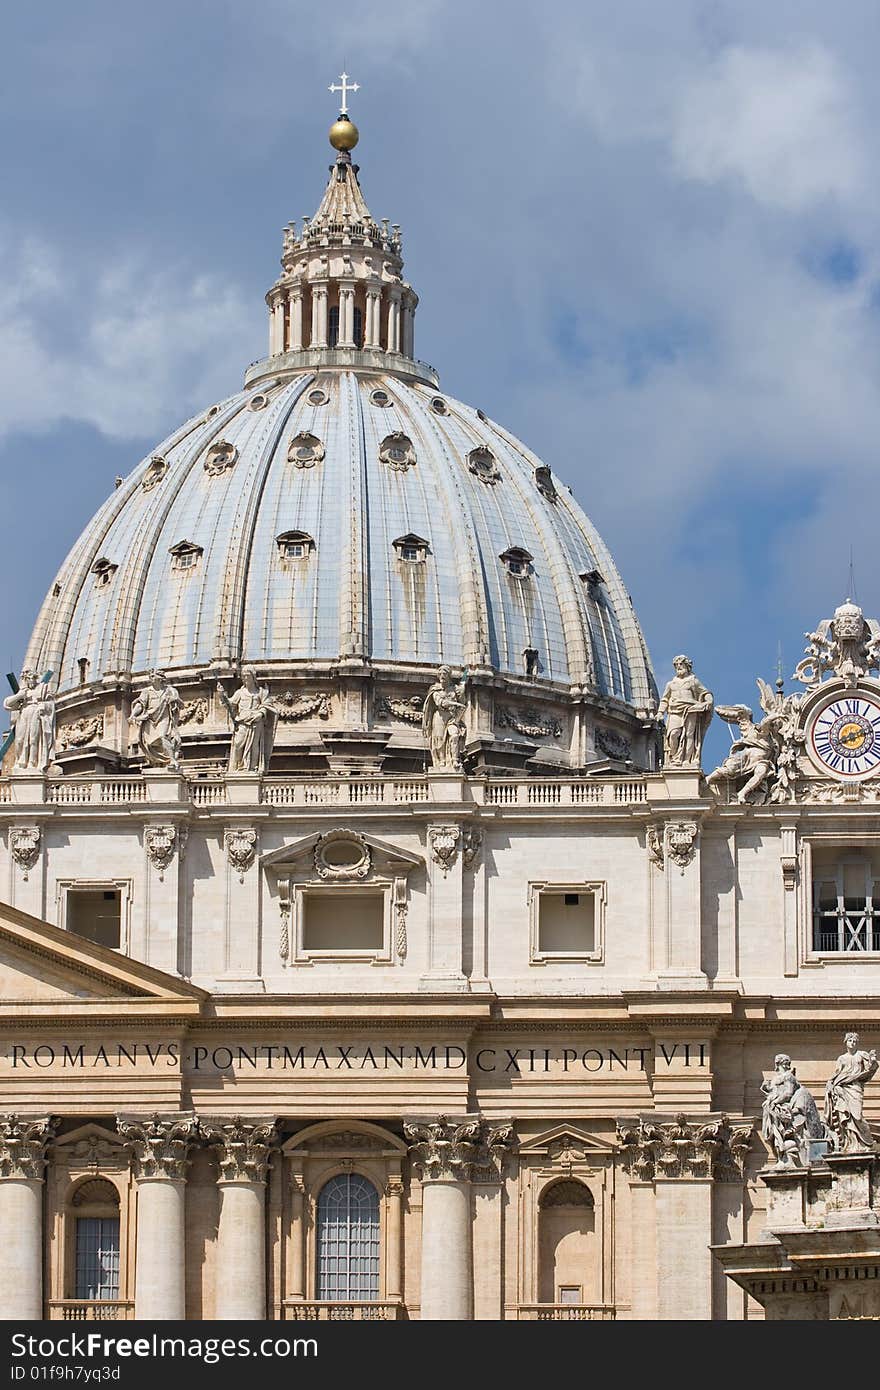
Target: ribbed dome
{"points": [[343, 515]]}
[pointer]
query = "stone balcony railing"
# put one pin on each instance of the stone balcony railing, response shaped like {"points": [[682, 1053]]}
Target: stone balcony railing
{"points": [[566, 1312], [152, 787], [341, 1312], [89, 1310]]}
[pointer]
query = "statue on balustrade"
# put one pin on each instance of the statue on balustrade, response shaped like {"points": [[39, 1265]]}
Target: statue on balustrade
{"points": [[845, 1097], [686, 705], [33, 719], [254, 718], [156, 711], [763, 760], [442, 724], [789, 1117]]}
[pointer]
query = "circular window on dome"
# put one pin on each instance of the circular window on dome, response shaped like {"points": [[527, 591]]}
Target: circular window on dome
{"points": [[215, 410], [305, 450], [342, 854], [318, 397], [397, 451], [380, 398], [481, 415], [220, 458], [439, 406], [155, 472], [481, 462], [259, 401]]}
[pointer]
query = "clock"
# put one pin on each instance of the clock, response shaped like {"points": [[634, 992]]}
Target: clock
{"points": [[844, 736]]}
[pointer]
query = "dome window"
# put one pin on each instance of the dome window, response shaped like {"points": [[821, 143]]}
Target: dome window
{"points": [[592, 581], [411, 548], [103, 570], [185, 555], [294, 545], [305, 450], [544, 483], [531, 661], [481, 462], [481, 415], [154, 473], [259, 401], [380, 398], [439, 406], [397, 451], [318, 396], [518, 562], [220, 458]]}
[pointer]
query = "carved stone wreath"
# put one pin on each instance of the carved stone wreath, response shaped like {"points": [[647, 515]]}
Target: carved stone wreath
{"points": [[80, 732], [24, 846], [154, 473], [305, 450], [220, 458], [408, 711], [342, 854], [241, 850], [529, 723], [481, 462], [295, 707], [613, 744], [397, 451]]}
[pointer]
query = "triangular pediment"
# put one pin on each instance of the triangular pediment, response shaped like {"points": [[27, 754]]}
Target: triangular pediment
{"points": [[44, 968], [389, 856], [564, 1138]]}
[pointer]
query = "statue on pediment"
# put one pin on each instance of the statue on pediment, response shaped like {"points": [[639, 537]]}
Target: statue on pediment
{"points": [[686, 705]]}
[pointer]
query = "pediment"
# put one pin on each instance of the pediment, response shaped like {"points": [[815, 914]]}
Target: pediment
{"points": [[90, 1146], [300, 852], [48, 968], [564, 1139]]}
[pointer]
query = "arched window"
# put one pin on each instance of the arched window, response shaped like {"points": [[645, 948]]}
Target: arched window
{"points": [[333, 326], [348, 1240], [96, 1240]]}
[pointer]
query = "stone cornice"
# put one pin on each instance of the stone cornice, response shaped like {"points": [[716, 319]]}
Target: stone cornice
{"points": [[23, 1146], [159, 1147]]}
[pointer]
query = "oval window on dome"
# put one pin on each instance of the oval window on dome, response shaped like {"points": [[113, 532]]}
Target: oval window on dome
{"points": [[380, 398], [481, 462], [397, 451], [318, 396], [220, 458], [305, 450], [439, 406], [259, 401], [155, 472]]}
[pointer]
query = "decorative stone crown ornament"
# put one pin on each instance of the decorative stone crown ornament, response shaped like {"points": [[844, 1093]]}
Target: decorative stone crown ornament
{"points": [[444, 841], [161, 843], [24, 846], [847, 644], [241, 850]]}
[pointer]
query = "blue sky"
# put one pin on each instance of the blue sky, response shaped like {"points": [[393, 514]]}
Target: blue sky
{"points": [[645, 238]]}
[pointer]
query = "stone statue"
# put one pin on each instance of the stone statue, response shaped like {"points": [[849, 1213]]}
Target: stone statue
{"points": [[845, 1095], [764, 758], [442, 725], [847, 644], [254, 717], [687, 705], [156, 711], [33, 717], [789, 1118]]}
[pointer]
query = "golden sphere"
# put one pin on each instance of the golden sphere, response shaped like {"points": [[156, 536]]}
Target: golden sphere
{"points": [[344, 134]]}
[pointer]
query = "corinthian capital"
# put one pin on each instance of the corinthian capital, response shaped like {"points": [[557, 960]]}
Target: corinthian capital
{"points": [[244, 1147], [23, 1146], [459, 1148], [159, 1147], [683, 1149]]}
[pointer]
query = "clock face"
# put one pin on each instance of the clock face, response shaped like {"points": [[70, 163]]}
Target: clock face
{"points": [[845, 736]]}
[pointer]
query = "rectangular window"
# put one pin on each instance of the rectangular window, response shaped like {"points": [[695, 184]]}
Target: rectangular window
{"points": [[339, 922], [96, 915], [97, 1257], [566, 921], [846, 902], [570, 1293]]}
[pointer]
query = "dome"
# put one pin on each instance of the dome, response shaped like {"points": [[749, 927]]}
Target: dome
{"points": [[341, 521]]}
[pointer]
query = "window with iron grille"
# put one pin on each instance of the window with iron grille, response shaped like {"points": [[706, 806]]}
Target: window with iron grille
{"points": [[348, 1240], [846, 904], [97, 1257]]}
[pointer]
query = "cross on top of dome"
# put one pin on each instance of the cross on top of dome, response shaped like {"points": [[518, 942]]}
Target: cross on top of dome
{"points": [[345, 87]]}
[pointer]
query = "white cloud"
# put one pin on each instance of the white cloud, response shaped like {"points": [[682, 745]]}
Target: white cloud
{"points": [[778, 120]]}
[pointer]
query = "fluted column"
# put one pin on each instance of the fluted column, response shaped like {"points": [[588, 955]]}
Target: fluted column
{"points": [[346, 316], [394, 319], [244, 1148], [446, 1153], [373, 325], [276, 327], [295, 336], [319, 316], [159, 1149], [22, 1166]]}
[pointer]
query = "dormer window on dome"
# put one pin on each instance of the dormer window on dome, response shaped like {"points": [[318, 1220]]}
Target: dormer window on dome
{"points": [[397, 451], [295, 545], [305, 450], [592, 581], [103, 570], [411, 548], [517, 561], [481, 462], [154, 472], [544, 483], [185, 555]]}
